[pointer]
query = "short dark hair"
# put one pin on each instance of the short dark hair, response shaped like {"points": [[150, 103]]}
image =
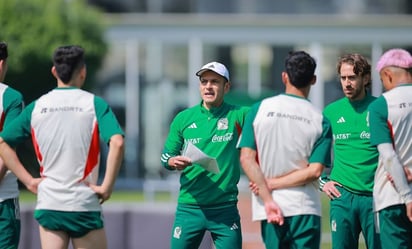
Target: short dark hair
{"points": [[300, 67], [3, 51], [67, 60]]}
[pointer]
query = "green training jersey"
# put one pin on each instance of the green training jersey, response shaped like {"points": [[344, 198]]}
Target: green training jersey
{"points": [[354, 158], [215, 132]]}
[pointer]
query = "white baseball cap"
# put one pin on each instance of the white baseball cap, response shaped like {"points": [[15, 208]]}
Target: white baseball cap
{"points": [[216, 67]]}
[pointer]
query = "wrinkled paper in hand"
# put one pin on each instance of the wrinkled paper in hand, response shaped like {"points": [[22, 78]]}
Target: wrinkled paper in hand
{"points": [[199, 157]]}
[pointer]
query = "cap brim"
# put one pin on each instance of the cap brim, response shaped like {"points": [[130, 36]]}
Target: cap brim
{"points": [[201, 71]]}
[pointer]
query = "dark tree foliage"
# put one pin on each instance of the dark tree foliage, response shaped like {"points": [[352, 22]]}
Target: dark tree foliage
{"points": [[34, 28]]}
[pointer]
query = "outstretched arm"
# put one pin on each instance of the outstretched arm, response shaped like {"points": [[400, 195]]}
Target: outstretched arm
{"points": [[13, 163], [114, 160], [253, 172]]}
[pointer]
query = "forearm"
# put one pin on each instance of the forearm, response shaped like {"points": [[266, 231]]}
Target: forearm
{"points": [[297, 177], [114, 160], [254, 173], [12, 162], [394, 167], [3, 169]]}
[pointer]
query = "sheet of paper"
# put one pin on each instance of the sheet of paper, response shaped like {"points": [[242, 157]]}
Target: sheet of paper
{"points": [[199, 157]]}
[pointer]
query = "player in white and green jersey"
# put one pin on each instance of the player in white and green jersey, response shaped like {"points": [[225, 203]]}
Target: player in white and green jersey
{"points": [[207, 200], [350, 183], [11, 105], [65, 126], [284, 146], [391, 132]]}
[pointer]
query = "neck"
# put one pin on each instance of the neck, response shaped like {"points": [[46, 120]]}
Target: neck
{"points": [[301, 92], [61, 84]]}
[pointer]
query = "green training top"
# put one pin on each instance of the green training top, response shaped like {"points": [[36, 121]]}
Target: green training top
{"points": [[354, 158], [215, 132]]}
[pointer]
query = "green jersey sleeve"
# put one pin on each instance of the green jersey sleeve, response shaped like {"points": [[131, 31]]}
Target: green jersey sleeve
{"points": [[378, 121], [13, 105], [247, 138], [19, 129], [174, 142], [321, 152], [108, 124]]}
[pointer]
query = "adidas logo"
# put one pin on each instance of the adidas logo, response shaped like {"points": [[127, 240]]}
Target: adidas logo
{"points": [[234, 227], [341, 120], [192, 126]]}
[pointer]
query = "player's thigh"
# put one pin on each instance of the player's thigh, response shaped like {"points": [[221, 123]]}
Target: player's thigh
{"points": [[368, 220], [305, 232], [9, 223], [344, 222], [275, 236], [395, 228], [95, 239], [225, 228], [188, 228], [52, 239]]}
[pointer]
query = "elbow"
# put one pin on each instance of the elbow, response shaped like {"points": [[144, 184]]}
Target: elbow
{"points": [[244, 161], [316, 170], [117, 142]]}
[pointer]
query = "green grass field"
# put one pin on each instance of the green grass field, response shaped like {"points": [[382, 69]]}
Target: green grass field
{"points": [[136, 197]]}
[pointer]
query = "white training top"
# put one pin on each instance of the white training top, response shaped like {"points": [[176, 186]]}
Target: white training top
{"points": [[8, 185], [391, 122], [286, 131]]}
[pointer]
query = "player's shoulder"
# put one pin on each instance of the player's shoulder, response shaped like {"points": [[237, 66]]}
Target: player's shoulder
{"points": [[335, 105], [10, 89]]}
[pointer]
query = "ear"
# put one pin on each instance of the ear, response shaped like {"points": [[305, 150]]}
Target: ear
{"points": [[313, 80], [366, 79], [227, 86], [389, 75], [83, 73], [285, 78], [54, 72]]}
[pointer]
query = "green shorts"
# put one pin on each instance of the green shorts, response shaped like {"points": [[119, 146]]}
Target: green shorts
{"points": [[395, 228], [351, 214], [297, 232], [75, 224], [191, 223], [9, 223]]}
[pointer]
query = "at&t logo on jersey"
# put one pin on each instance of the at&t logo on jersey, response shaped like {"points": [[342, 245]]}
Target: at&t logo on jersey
{"points": [[341, 136], [193, 140]]}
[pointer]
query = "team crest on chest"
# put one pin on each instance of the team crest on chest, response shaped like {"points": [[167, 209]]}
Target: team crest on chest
{"points": [[222, 124]]}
